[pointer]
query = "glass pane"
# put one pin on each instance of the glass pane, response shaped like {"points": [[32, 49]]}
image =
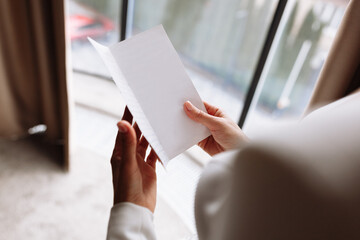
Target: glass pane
{"points": [[304, 39], [219, 42], [98, 20]]}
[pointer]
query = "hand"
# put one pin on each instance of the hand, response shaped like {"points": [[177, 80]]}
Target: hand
{"points": [[134, 179], [225, 133]]}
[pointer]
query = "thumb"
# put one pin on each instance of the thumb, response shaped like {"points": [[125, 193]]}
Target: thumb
{"points": [[128, 144], [199, 116]]}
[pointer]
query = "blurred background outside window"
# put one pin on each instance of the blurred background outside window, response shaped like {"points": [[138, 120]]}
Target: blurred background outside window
{"points": [[219, 42], [299, 50], [98, 20]]}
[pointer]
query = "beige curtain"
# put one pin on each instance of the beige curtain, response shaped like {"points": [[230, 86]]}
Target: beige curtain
{"points": [[33, 87], [341, 72]]}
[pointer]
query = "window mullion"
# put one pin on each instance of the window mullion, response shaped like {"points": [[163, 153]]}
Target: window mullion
{"points": [[262, 60]]}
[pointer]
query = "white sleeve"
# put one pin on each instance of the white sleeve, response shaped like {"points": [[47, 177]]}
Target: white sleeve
{"points": [[130, 221]]}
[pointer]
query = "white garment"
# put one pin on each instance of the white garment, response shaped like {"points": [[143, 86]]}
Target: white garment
{"points": [[130, 221], [298, 182]]}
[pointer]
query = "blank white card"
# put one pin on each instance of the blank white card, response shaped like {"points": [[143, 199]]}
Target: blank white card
{"points": [[155, 85]]}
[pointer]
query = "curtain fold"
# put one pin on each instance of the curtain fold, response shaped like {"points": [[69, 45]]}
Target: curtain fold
{"points": [[33, 87], [340, 73]]}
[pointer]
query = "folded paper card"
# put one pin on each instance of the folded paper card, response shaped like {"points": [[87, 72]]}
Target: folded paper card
{"points": [[154, 84]]}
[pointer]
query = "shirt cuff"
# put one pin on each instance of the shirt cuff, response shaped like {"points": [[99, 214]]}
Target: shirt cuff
{"points": [[130, 221]]}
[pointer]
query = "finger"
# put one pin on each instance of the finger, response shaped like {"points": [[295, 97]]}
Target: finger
{"points": [[142, 146], [127, 116], [212, 110], [127, 143], [116, 155], [115, 167], [203, 142], [137, 130], [199, 116], [115, 160], [151, 159]]}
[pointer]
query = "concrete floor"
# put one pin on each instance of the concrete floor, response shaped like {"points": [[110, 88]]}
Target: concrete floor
{"points": [[40, 201]]}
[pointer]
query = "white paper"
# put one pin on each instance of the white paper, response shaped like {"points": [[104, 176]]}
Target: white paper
{"points": [[155, 85]]}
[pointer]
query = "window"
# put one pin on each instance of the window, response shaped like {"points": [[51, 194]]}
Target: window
{"points": [[258, 60]]}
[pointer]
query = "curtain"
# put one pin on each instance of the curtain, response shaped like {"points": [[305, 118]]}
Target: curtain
{"points": [[340, 75], [33, 88]]}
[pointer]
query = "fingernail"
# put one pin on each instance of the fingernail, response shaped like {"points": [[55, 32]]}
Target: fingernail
{"points": [[189, 106], [122, 128]]}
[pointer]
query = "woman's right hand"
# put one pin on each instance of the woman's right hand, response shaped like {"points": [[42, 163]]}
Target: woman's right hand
{"points": [[225, 133]]}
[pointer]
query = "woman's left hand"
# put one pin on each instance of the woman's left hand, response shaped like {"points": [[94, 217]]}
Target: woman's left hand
{"points": [[134, 179]]}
